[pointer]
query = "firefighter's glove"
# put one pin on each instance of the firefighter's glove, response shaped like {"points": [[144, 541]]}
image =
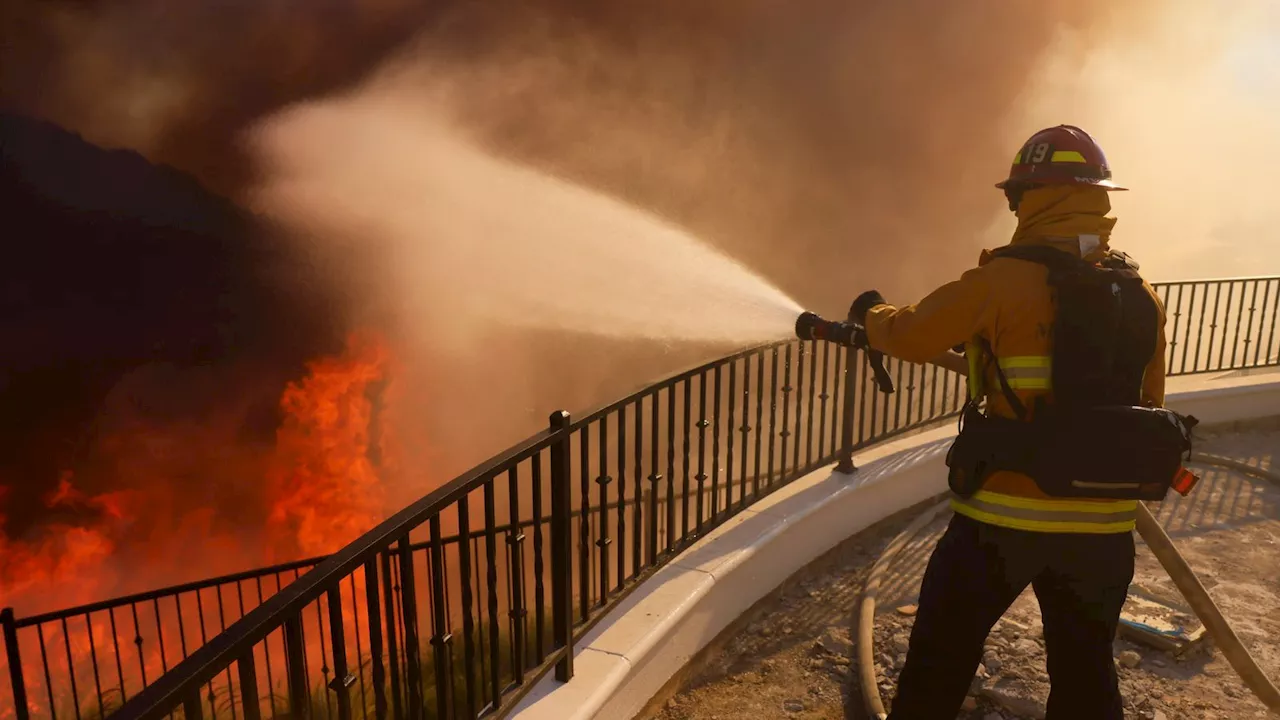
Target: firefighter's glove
{"points": [[860, 339], [863, 304]]}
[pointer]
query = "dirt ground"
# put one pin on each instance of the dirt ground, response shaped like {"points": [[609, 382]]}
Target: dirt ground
{"points": [[791, 656]]}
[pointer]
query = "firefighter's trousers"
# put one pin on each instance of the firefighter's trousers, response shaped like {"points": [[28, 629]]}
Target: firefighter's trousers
{"points": [[975, 574]]}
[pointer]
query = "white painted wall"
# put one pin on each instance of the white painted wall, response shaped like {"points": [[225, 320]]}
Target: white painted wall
{"points": [[649, 637]]}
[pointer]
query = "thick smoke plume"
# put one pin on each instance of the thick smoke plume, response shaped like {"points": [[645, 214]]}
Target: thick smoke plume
{"points": [[178, 82], [818, 134], [813, 135]]}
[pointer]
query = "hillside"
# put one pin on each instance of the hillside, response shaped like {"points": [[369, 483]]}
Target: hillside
{"points": [[114, 264]]}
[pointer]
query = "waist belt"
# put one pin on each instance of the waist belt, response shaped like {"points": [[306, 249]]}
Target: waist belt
{"points": [[1111, 452]]}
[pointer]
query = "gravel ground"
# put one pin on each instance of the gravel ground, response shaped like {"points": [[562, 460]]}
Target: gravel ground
{"points": [[791, 656]]}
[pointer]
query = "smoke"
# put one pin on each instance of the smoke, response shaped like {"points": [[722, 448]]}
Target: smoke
{"points": [[859, 136], [1187, 112], [177, 82], [821, 134]]}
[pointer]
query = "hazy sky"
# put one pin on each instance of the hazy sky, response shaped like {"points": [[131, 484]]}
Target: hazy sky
{"points": [[1188, 114]]}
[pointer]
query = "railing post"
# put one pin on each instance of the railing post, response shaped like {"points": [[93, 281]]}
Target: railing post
{"points": [[442, 655], [15, 664], [249, 699], [409, 626], [374, 613], [389, 587], [295, 671], [342, 680], [851, 358], [192, 705], [561, 546]]}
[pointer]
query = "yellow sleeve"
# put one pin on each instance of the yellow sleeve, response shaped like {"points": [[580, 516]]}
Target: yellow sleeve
{"points": [[1154, 376], [947, 317]]}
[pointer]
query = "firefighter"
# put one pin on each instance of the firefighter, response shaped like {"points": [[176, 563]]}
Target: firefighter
{"points": [[1077, 554]]}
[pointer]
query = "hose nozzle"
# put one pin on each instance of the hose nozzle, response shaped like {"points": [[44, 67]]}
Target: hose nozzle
{"points": [[809, 326]]}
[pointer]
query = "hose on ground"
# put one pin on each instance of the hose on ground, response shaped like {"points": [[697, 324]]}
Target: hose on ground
{"points": [[1198, 597], [867, 609], [1184, 578]]}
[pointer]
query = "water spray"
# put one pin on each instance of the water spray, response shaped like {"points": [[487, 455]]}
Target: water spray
{"points": [[809, 326]]}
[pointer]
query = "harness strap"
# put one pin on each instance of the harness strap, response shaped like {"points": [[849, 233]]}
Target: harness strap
{"points": [[1009, 395]]}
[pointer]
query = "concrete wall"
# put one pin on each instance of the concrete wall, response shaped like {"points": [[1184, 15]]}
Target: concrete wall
{"points": [[649, 637]]}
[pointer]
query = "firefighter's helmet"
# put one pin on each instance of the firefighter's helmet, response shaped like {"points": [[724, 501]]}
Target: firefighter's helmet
{"points": [[1062, 155]]}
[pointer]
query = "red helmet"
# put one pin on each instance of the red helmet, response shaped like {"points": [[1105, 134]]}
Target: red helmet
{"points": [[1062, 155]]}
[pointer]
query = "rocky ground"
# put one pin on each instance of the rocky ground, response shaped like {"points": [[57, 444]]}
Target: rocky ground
{"points": [[792, 655]]}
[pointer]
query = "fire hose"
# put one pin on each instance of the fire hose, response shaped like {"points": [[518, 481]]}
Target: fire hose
{"points": [[1198, 597], [812, 327]]}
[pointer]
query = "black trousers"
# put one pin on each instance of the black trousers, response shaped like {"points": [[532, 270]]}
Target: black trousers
{"points": [[974, 575]]}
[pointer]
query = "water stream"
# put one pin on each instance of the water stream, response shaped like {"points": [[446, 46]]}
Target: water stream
{"points": [[476, 241]]}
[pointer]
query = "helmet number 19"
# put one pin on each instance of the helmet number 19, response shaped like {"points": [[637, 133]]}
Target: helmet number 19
{"points": [[1036, 153]]}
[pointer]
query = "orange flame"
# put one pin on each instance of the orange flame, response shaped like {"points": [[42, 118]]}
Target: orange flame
{"points": [[63, 551], [325, 487]]}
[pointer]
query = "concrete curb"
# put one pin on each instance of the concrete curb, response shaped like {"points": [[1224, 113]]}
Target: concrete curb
{"points": [[685, 605]]}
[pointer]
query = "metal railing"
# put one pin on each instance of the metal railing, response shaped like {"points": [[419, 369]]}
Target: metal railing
{"points": [[1218, 325], [454, 605], [85, 657]]}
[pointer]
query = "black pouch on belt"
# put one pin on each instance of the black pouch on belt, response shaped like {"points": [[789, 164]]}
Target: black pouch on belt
{"points": [[1113, 452], [984, 445]]}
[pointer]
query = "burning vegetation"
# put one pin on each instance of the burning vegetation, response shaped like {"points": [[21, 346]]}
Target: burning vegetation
{"points": [[322, 489], [179, 398], [324, 476], [77, 545]]}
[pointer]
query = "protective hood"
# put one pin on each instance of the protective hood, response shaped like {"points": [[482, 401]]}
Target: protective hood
{"points": [[1068, 217]]}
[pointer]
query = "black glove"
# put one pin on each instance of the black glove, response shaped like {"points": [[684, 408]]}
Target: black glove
{"points": [[859, 339], [863, 304]]}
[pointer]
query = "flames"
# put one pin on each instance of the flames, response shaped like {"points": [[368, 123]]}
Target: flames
{"points": [[319, 487], [326, 489], [64, 549]]}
